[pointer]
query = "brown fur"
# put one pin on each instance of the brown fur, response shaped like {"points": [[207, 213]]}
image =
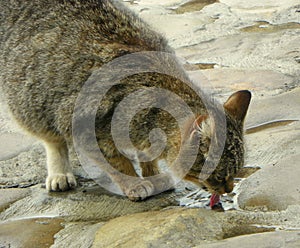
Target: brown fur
{"points": [[48, 49]]}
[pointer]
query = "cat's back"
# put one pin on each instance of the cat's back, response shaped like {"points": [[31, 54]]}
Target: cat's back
{"points": [[55, 37], [48, 49]]}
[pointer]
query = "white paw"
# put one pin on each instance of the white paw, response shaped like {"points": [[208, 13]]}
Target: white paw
{"points": [[60, 182], [140, 191]]}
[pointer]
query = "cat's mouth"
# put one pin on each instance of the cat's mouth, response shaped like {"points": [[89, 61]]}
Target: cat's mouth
{"points": [[220, 187], [215, 198]]}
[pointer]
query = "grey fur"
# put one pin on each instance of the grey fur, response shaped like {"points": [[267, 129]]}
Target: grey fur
{"points": [[48, 49]]}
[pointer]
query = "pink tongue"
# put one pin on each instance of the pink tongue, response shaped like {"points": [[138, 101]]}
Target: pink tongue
{"points": [[214, 199]]}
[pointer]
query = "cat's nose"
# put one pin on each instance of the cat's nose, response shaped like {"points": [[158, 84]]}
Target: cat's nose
{"points": [[229, 184], [228, 190], [224, 189]]}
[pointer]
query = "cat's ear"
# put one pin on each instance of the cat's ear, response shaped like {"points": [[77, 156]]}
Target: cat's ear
{"points": [[237, 104]]}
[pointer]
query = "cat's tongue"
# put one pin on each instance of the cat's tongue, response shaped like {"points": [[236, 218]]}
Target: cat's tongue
{"points": [[214, 200]]}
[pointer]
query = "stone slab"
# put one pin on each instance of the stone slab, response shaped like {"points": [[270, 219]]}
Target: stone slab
{"points": [[35, 232], [263, 240], [9, 196], [11, 144], [272, 188]]}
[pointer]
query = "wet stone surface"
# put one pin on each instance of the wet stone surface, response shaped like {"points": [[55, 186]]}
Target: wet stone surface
{"points": [[35, 232], [194, 5], [233, 45]]}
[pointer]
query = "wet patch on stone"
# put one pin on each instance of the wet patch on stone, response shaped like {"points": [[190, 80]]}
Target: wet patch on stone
{"points": [[193, 5], [35, 232], [266, 27], [199, 66], [201, 198]]}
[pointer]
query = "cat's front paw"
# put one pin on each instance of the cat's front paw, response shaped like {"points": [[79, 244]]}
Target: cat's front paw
{"points": [[139, 191], [60, 182]]}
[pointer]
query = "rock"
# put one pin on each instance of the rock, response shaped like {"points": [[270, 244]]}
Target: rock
{"points": [[290, 14], [35, 232], [229, 51], [168, 228], [181, 227], [27, 168], [233, 45], [77, 234], [262, 240], [254, 4], [165, 3], [9, 196], [272, 188], [193, 5], [222, 80], [87, 203], [280, 107], [187, 25], [265, 148], [11, 144], [275, 137]]}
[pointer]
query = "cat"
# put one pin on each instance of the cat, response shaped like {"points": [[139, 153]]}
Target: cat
{"points": [[49, 49]]}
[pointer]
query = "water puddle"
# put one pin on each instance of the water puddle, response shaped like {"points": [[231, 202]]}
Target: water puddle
{"points": [[200, 199], [266, 27], [34, 232], [199, 66], [193, 5]]}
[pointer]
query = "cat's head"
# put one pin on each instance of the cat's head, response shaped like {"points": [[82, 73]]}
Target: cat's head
{"points": [[232, 159]]}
